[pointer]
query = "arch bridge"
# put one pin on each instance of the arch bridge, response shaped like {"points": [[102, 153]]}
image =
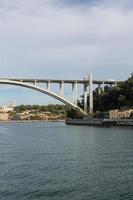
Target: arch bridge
{"points": [[87, 83]]}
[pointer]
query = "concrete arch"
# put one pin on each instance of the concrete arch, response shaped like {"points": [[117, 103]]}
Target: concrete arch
{"points": [[44, 91]]}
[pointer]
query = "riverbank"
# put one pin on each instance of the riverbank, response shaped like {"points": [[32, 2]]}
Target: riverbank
{"points": [[100, 122], [30, 121]]}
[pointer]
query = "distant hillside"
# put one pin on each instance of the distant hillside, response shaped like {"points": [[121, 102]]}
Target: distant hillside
{"points": [[53, 108]]}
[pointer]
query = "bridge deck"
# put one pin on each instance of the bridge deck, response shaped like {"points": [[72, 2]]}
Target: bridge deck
{"points": [[60, 81]]}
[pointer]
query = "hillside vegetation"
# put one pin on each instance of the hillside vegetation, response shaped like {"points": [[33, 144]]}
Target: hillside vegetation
{"points": [[116, 97], [56, 109]]}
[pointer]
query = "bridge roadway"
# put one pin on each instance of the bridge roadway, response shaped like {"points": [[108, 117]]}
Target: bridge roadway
{"points": [[58, 81]]}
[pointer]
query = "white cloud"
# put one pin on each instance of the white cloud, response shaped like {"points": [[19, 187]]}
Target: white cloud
{"points": [[42, 39]]}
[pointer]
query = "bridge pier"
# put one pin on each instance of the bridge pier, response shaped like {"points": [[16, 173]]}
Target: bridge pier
{"points": [[103, 85], [61, 89], [48, 84], [85, 98], [99, 89], [88, 88], [90, 93], [35, 82], [74, 93]]}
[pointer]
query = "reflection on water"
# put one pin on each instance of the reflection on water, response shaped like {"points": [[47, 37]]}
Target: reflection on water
{"points": [[55, 161]]}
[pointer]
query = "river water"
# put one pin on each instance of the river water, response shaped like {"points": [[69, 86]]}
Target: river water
{"points": [[54, 161]]}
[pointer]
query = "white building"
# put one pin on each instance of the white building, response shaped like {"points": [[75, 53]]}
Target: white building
{"points": [[120, 114], [5, 109]]}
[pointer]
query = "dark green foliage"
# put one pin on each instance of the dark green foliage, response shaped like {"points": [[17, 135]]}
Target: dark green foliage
{"points": [[120, 96], [70, 113], [115, 97]]}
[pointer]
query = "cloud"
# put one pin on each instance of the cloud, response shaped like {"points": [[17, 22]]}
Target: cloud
{"points": [[35, 34], [46, 39]]}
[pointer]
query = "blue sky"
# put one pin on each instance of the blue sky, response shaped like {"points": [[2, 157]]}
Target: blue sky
{"points": [[63, 39]]}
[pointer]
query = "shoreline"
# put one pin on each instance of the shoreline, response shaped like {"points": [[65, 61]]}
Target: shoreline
{"points": [[31, 121], [101, 122], [82, 122]]}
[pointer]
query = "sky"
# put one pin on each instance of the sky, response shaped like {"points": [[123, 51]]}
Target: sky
{"points": [[63, 39]]}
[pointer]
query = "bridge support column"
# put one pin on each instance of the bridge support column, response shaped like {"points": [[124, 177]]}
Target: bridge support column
{"points": [[61, 89], [85, 98], [115, 84], [91, 93], [35, 82], [103, 87], [74, 93], [99, 89], [48, 85]]}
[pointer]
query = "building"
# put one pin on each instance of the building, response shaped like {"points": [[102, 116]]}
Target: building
{"points": [[120, 114], [4, 116], [5, 109]]}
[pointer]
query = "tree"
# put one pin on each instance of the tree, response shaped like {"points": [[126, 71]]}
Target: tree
{"points": [[120, 96]]}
